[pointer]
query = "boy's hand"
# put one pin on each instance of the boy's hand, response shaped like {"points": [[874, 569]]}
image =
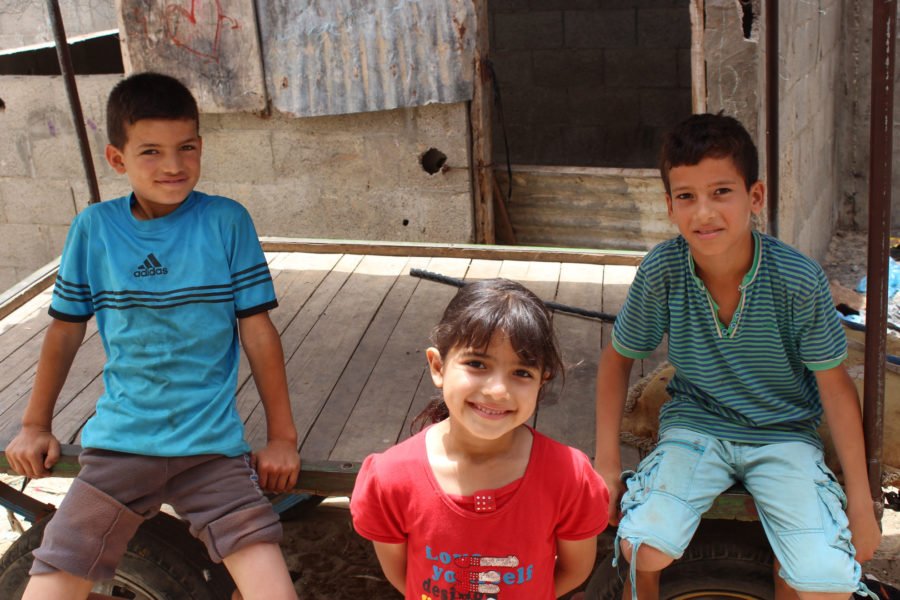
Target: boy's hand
{"points": [[277, 466], [33, 451], [865, 531], [613, 481]]}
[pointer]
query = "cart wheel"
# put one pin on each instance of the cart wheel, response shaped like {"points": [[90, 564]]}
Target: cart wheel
{"points": [[163, 562], [725, 560], [291, 507]]}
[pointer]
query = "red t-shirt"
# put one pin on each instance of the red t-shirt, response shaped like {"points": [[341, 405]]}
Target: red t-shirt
{"points": [[498, 544]]}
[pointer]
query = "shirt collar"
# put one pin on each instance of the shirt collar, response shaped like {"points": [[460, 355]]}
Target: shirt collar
{"points": [[749, 277]]}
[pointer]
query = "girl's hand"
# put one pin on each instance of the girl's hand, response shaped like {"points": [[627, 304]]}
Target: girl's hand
{"points": [[33, 452], [277, 465]]}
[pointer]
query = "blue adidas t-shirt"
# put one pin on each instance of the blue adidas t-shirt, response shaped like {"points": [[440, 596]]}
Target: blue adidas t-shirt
{"points": [[167, 294]]}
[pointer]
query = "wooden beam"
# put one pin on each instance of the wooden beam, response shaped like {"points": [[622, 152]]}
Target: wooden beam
{"points": [[480, 117], [320, 477], [28, 288], [533, 253]]}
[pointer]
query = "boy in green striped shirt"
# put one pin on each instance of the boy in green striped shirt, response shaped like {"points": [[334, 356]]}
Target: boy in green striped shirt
{"points": [[757, 349]]}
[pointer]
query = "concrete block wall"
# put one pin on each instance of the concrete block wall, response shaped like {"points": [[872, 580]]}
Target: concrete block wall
{"points": [[810, 42], [854, 94], [811, 111], [589, 83], [355, 176]]}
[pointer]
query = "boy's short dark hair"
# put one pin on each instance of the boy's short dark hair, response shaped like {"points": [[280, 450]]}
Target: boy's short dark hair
{"points": [[709, 136], [146, 96]]}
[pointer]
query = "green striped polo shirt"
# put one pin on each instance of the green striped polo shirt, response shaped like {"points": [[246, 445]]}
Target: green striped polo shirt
{"points": [[752, 381]]}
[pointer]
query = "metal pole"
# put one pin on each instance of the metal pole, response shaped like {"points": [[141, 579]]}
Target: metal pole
{"points": [[772, 114], [884, 16], [65, 67]]}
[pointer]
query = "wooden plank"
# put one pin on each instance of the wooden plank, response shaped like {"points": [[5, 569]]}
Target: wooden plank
{"points": [[316, 477], [616, 282], [541, 278], [12, 367], [567, 414], [483, 269], [482, 133], [471, 251], [68, 424], [330, 422], [384, 403], [212, 47], [88, 364], [317, 364], [28, 288], [20, 323], [297, 277], [299, 326]]}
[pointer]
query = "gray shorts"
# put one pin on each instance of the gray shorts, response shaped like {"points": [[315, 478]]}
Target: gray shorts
{"points": [[115, 492]]}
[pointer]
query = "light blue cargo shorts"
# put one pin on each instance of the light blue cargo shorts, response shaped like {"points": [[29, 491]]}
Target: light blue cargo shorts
{"points": [[800, 504]]}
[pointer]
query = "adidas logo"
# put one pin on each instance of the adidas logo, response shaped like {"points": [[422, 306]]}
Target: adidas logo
{"points": [[150, 267]]}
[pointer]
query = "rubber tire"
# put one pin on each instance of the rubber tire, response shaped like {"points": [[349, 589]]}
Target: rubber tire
{"points": [[726, 559], [163, 562]]}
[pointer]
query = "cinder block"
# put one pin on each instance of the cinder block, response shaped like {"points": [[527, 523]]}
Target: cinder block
{"points": [[685, 75], [568, 68], [15, 153], [531, 30], [665, 108], [41, 201], [238, 155], [601, 28], [641, 67], [513, 68], [605, 106], [664, 27]]}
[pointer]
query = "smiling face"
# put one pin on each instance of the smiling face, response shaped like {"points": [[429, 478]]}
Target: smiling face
{"points": [[711, 205], [162, 161], [489, 392]]}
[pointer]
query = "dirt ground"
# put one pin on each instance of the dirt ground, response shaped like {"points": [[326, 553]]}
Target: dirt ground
{"points": [[330, 562]]}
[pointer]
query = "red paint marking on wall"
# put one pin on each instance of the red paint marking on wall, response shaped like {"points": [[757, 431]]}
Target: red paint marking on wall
{"points": [[193, 29]]}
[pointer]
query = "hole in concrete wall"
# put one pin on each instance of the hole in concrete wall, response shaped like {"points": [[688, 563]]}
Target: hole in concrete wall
{"points": [[748, 18], [405, 222], [2, 104], [432, 161], [92, 56]]}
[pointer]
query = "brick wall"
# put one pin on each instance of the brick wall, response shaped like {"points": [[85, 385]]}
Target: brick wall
{"points": [[589, 83]]}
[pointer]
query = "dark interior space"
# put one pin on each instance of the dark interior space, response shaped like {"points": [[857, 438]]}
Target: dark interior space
{"points": [[587, 83]]}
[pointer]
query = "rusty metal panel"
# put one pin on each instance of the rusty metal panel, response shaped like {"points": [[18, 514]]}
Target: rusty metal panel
{"points": [[326, 57], [211, 45]]}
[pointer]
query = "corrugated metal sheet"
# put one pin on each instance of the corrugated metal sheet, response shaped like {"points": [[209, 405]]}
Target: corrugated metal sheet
{"points": [[589, 207], [326, 57]]}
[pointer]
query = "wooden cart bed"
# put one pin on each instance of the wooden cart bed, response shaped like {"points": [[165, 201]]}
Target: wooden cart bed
{"points": [[354, 325]]}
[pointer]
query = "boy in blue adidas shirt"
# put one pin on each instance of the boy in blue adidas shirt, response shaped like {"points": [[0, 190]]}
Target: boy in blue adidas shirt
{"points": [[175, 277], [757, 350]]}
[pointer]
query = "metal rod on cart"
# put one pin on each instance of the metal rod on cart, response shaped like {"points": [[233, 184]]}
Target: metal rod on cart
{"points": [[68, 73], [593, 314], [881, 129]]}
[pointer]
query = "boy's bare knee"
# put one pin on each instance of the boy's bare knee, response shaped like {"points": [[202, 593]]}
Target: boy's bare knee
{"points": [[648, 557]]}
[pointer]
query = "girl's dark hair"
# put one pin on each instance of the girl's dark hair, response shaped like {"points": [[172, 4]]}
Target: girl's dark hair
{"points": [[709, 136], [482, 309], [146, 96]]}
